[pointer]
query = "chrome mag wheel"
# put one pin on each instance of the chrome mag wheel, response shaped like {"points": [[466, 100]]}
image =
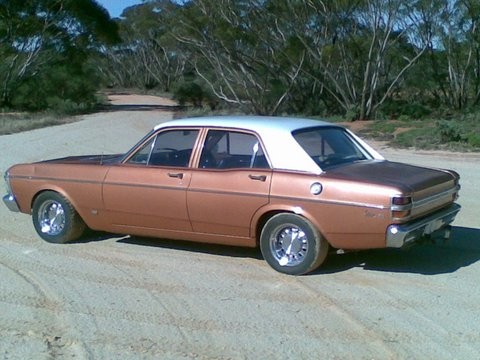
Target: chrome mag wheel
{"points": [[51, 218], [55, 219], [289, 245], [292, 245]]}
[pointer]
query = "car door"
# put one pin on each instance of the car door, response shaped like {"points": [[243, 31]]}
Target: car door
{"points": [[231, 182], [148, 190]]}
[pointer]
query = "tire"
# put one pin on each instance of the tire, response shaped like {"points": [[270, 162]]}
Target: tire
{"points": [[55, 219], [292, 245]]}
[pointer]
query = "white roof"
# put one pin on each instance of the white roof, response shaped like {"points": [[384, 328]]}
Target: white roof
{"points": [[276, 134]]}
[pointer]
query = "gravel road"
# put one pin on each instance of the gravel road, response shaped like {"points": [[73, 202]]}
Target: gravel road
{"points": [[109, 297]]}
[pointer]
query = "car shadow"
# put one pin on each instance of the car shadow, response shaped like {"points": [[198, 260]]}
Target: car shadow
{"points": [[213, 249], [463, 249], [92, 236]]}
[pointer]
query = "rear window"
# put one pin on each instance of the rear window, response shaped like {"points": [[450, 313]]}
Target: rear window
{"points": [[330, 146]]}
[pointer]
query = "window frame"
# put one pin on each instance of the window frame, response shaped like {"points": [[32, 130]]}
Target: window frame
{"points": [[324, 166], [153, 137], [259, 141]]}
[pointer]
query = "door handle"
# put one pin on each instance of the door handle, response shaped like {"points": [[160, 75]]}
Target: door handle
{"points": [[257, 177], [176, 175]]}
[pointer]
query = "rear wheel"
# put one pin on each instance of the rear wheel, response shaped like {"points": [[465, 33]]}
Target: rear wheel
{"points": [[55, 219], [292, 245]]}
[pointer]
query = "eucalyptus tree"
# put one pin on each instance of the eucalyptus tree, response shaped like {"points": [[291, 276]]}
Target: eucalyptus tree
{"points": [[241, 52], [360, 50], [148, 55], [41, 37], [455, 53]]}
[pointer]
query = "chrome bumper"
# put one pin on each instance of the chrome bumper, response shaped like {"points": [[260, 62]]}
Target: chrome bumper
{"points": [[11, 203], [403, 234]]}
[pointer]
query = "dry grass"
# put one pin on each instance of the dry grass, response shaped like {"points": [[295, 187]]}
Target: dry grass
{"points": [[11, 123]]}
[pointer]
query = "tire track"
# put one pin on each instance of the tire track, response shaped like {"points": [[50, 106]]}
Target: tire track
{"points": [[46, 299]]}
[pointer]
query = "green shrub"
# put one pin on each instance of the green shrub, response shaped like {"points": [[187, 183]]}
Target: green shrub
{"points": [[395, 109], [473, 139], [189, 92], [451, 131], [352, 113], [404, 118]]}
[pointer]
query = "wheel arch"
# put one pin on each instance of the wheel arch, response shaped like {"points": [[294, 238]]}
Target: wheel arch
{"points": [[64, 225], [261, 218], [61, 192]]}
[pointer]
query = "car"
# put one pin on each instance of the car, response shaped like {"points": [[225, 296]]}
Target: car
{"points": [[295, 188]]}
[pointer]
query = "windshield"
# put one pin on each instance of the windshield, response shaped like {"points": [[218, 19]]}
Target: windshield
{"points": [[330, 146]]}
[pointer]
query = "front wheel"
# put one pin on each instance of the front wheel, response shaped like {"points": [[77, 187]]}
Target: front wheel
{"points": [[292, 245], [55, 219]]}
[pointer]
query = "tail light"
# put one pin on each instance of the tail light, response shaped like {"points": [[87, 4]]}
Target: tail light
{"points": [[401, 207]]}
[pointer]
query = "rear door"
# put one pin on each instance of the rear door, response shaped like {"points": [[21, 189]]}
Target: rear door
{"points": [[231, 182]]}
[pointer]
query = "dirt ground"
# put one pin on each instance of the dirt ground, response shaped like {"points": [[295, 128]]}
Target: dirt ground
{"points": [[108, 297]]}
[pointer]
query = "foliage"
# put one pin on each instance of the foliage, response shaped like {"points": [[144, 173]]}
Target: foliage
{"points": [[456, 134], [355, 59], [360, 59], [14, 123], [148, 57], [449, 131], [45, 46]]}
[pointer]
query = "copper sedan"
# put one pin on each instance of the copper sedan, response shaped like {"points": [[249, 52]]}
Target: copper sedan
{"points": [[294, 187]]}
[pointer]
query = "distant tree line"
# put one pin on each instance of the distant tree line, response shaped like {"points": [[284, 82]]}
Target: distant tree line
{"points": [[359, 59], [46, 48]]}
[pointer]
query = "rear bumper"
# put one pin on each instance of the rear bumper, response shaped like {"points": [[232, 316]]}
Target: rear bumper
{"points": [[11, 203], [403, 234]]}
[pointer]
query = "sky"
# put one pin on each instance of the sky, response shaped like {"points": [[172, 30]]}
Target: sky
{"points": [[115, 7]]}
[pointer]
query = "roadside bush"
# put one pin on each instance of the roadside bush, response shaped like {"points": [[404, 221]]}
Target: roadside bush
{"points": [[189, 92], [474, 139], [451, 131], [405, 110], [60, 89]]}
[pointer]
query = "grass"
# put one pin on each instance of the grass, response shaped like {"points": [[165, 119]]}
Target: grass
{"points": [[459, 134], [12, 123]]}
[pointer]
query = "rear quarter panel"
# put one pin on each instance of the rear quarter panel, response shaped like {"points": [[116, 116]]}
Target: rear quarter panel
{"points": [[350, 215]]}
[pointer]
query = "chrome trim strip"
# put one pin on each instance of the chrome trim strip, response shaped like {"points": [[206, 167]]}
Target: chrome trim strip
{"points": [[40, 178], [160, 187], [217, 192], [146, 186], [426, 201], [436, 197], [333, 202], [214, 192]]}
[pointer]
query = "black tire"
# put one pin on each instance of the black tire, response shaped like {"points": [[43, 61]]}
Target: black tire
{"points": [[292, 245], [55, 219]]}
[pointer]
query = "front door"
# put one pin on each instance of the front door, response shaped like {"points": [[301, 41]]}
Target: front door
{"points": [[148, 191]]}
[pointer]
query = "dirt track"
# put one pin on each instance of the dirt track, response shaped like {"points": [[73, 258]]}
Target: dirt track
{"points": [[118, 297]]}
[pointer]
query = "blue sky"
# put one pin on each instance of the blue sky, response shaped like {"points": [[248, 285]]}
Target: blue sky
{"points": [[115, 7]]}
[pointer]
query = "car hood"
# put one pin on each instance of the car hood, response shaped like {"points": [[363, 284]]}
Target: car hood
{"points": [[87, 159], [403, 176]]}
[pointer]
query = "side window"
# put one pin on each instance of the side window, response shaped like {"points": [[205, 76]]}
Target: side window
{"points": [[142, 155], [231, 150], [168, 148]]}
